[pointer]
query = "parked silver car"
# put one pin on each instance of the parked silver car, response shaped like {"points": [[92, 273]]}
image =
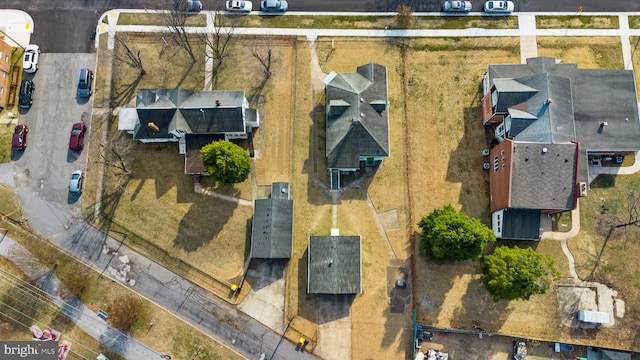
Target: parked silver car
{"points": [[456, 6]]}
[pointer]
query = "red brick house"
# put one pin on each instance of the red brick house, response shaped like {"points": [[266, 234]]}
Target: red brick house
{"points": [[549, 122], [5, 67]]}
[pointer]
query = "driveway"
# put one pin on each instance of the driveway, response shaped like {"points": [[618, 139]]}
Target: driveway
{"points": [[44, 167]]}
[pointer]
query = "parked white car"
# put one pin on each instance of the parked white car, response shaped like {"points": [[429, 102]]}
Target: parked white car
{"points": [[504, 7], [75, 183], [456, 6], [238, 6], [30, 58]]}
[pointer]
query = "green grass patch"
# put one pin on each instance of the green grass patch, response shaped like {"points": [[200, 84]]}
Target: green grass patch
{"points": [[634, 22], [373, 22], [577, 22], [561, 222], [604, 181], [125, 18]]}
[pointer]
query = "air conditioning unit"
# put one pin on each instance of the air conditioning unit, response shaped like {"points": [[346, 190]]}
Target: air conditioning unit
{"points": [[583, 189]]}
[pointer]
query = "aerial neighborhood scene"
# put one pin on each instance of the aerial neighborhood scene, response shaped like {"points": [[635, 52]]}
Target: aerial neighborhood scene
{"points": [[228, 179]]}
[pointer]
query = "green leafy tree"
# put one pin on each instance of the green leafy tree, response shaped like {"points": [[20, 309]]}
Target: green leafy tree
{"points": [[447, 233], [226, 162], [515, 273]]}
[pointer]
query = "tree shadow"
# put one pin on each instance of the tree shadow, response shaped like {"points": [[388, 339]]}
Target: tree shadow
{"points": [[203, 222], [465, 165], [125, 92]]}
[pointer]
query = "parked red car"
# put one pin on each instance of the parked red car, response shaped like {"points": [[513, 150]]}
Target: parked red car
{"points": [[19, 141], [76, 140]]}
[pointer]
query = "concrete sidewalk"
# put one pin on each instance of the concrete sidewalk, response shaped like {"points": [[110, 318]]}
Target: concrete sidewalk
{"points": [[527, 30]]}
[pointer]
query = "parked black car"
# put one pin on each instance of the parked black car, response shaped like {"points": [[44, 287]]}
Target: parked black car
{"points": [[26, 92]]}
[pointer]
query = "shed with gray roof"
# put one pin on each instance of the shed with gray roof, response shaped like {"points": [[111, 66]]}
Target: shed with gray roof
{"points": [[272, 227], [334, 265]]}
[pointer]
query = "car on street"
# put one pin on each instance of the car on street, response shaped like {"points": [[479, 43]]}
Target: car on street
{"points": [[30, 58], [188, 6], [19, 140], [238, 6], [75, 183], [504, 7], [76, 139], [85, 80], [274, 5], [456, 6], [26, 93]]}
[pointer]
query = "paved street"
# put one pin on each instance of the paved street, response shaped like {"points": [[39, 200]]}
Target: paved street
{"points": [[41, 182]]}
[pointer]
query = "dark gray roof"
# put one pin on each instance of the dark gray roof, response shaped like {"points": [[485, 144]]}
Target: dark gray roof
{"points": [[357, 116], [544, 180], [580, 100], [161, 117], [272, 230], [521, 224], [335, 265], [280, 190], [194, 142], [606, 95], [199, 112]]}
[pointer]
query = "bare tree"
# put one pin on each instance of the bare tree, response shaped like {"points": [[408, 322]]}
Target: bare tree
{"points": [[175, 21], [218, 42], [129, 57], [123, 312], [404, 15], [263, 55]]}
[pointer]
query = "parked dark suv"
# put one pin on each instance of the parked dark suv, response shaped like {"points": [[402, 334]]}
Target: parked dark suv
{"points": [[84, 83], [26, 91]]}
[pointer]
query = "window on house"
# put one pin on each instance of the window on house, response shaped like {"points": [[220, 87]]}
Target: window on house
{"points": [[500, 132]]}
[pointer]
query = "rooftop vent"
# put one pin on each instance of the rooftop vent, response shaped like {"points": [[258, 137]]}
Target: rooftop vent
{"points": [[218, 103], [544, 150]]}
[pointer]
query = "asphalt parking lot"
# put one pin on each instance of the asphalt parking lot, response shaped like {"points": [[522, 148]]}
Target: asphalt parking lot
{"points": [[45, 165]]}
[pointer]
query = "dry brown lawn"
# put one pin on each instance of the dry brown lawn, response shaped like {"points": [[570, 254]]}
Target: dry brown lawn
{"points": [[436, 140], [181, 341], [577, 22], [588, 53], [614, 261], [373, 326]]}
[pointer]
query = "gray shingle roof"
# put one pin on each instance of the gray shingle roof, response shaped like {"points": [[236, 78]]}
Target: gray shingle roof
{"points": [[335, 265], [357, 116], [199, 112], [272, 229], [544, 180], [581, 99]]}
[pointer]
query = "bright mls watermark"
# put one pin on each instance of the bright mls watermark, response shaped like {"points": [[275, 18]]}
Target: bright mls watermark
{"points": [[28, 350]]}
